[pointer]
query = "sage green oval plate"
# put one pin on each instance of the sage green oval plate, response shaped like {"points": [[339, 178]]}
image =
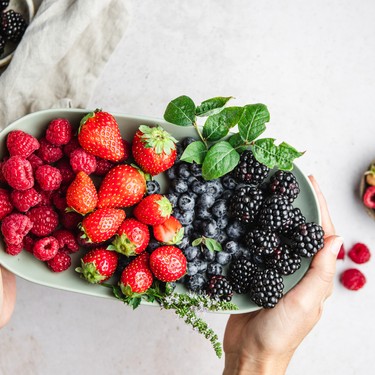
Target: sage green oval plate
{"points": [[31, 269]]}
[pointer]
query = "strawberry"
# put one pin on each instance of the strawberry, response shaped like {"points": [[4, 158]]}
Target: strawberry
{"points": [[170, 232], [154, 149], [98, 265], [123, 186], [81, 195], [153, 209], [102, 224], [168, 263], [136, 277], [99, 135], [132, 237]]}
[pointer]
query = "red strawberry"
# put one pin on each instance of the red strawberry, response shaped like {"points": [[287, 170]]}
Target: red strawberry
{"points": [[132, 237], [102, 224], [153, 210], [123, 186], [98, 265], [99, 135], [170, 232], [154, 149], [136, 277], [168, 263], [81, 195]]}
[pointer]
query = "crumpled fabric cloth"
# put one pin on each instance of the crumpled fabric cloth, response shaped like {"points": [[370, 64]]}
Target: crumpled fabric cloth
{"points": [[60, 56]]}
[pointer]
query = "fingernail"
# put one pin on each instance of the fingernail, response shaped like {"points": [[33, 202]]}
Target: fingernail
{"points": [[336, 245]]}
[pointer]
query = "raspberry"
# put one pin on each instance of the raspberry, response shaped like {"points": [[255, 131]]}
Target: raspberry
{"points": [[48, 152], [66, 171], [353, 279], [59, 200], [28, 243], [60, 262], [66, 240], [46, 197], [2, 178], [21, 144], [13, 249], [359, 253], [80, 160], [6, 206], [44, 219], [48, 177], [18, 173], [35, 162], [14, 228], [45, 248], [71, 146], [24, 200], [70, 220], [102, 166], [369, 197], [341, 254], [59, 132]]}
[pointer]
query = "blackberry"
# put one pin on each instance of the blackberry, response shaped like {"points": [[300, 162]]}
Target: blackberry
{"points": [[284, 260], [13, 25], [240, 274], [220, 288], [4, 4], [262, 242], [266, 288], [245, 203], [284, 183], [297, 219], [307, 239], [249, 170], [2, 45], [275, 212]]}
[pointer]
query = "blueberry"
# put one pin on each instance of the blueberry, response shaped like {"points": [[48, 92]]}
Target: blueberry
{"points": [[214, 188], [221, 236], [198, 187], [231, 247], [184, 217], [191, 268], [183, 171], [196, 283], [191, 180], [223, 258], [186, 202], [153, 244], [205, 201], [185, 242], [209, 228], [191, 253], [208, 255], [189, 230], [195, 170], [173, 198], [171, 172], [227, 194], [222, 222], [202, 265], [179, 150], [152, 187], [235, 230], [228, 182], [219, 209], [202, 213], [179, 185], [187, 141], [197, 224], [215, 269]]}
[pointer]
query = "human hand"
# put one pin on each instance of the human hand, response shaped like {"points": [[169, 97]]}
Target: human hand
{"points": [[264, 341], [7, 295]]}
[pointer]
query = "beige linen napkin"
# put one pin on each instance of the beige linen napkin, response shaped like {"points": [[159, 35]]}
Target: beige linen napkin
{"points": [[60, 56]]}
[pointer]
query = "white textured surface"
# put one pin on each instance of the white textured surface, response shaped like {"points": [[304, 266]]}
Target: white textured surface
{"points": [[312, 63]]}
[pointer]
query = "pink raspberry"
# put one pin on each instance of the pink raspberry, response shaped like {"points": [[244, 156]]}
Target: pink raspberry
{"points": [[25, 199], [45, 220], [2, 178], [70, 220], [359, 253], [13, 249], [80, 160], [71, 146], [102, 166], [6, 206], [127, 149], [59, 200], [48, 152], [14, 228], [66, 171], [35, 162], [18, 173], [59, 132], [341, 254], [28, 243], [60, 262], [66, 240], [45, 248], [21, 144], [353, 279], [48, 177], [46, 197]]}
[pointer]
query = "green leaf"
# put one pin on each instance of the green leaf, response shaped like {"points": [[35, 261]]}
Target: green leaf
{"points": [[212, 244], [221, 158], [212, 106], [237, 142], [252, 122], [180, 111], [285, 156], [217, 126], [195, 152], [197, 241]]}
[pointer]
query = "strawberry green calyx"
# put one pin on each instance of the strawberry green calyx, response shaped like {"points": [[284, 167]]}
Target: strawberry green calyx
{"points": [[90, 273], [88, 116], [123, 245], [177, 238], [158, 139], [165, 207]]}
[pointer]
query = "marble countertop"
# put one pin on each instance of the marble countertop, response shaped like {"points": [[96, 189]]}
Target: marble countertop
{"points": [[312, 64]]}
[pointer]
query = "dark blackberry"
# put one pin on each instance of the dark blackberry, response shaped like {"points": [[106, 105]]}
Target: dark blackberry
{"points": [[240, 274], [13, 26], [262, 242], [2, 45], [266, 288], [220, 288], [297, 219], [307, 239], [284, 260], [4, 4], [275, 212], [249, 170], [245, 203], [152, 187], [284, 183]]}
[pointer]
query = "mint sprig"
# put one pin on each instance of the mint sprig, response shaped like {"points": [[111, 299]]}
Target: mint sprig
{"points": [[219, 152]]}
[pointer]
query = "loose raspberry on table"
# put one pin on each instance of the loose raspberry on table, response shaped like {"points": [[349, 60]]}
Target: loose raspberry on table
{"points": [[18, 173], [15, 227], [21, 144], [66, 240], [80, 160], [6, 206], [359, 253], [353, 279], [35, 162], [48, 177], [45, 248], [59, 132], [60, 262], [48, 152], [67, 174], [45, 220], [70, 220], [341, 254], [23, 200], [13, 249]]}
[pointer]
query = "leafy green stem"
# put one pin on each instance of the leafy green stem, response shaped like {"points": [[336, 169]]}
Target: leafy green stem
{"points": [[200, 134]]}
